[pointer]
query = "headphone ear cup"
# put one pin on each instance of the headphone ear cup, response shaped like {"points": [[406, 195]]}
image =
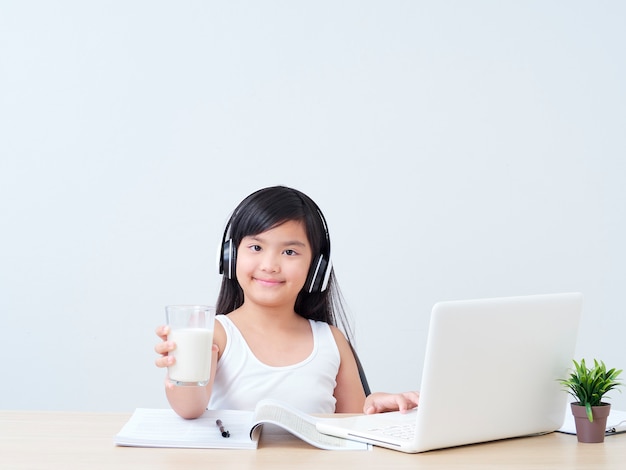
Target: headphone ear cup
{"points": [[319, 275], [229, 258], [327, 270]]}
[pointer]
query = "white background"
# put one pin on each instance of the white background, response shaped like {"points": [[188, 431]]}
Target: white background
{"points": [[458, 150]]}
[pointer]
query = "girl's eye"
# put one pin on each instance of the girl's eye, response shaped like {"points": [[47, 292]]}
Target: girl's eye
{"points": [[255, 248], [290, 252]]}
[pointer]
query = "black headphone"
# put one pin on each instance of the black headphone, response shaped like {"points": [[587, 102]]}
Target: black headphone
{"points": [[319, 273]]}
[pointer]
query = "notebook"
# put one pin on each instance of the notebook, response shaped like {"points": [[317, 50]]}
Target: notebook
{"points": [[490, 372]]}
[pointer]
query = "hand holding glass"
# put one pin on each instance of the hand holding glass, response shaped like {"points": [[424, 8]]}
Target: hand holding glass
{"points": [[191, 328]]}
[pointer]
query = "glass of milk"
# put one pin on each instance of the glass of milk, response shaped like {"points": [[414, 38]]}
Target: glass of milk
{"points": [[191, 328]]}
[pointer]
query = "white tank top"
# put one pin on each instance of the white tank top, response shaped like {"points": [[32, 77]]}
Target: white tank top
{"points": [[241, 380]]}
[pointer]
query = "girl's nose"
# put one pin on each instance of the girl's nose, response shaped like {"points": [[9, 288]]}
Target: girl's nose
{"points": [[270, 263]]}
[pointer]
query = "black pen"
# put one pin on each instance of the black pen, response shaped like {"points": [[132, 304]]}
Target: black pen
{"points": [[220, 425]]}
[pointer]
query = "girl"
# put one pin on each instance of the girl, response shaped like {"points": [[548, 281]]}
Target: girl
{"points": [[277, 332]]}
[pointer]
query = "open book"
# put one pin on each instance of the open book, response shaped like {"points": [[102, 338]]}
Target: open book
{"points": [[164, 428]]}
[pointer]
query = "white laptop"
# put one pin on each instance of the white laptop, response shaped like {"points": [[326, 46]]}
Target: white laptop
{"points": [[490, 373]]}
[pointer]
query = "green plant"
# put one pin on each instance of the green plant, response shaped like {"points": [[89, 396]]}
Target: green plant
{"points": [[589, 384]]}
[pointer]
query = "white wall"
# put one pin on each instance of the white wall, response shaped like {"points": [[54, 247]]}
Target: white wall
{"points": [[458, 149]]}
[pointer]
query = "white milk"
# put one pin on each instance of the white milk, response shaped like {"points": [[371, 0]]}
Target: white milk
{"points": [[192, 353]]}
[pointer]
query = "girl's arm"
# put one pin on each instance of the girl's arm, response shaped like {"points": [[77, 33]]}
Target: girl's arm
{"points": [[349, 390], [188, 402]]}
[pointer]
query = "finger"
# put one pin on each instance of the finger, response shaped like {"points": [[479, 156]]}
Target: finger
{"points": [[404, 404], [162, 331], [165, 347], [413, 397], [407, 401], [379, 402], [412, 401], [369, 404], [165, 361]]}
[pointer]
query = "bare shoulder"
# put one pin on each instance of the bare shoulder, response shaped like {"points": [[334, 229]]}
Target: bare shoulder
{"points": [[340, 338]]}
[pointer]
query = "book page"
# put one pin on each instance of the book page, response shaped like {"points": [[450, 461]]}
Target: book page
{"points": [[301, 425], [164, 428]]}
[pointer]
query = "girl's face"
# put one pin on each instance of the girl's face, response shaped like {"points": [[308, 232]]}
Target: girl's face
{"points": [[272, 266]]}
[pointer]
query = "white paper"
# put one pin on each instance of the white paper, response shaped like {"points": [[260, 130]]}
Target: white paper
{"points": [[164, 428]]}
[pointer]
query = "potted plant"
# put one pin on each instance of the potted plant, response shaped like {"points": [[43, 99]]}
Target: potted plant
{"points": [[588, 385]]}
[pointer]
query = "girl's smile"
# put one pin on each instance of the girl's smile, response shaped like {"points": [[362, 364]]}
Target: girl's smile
{"points": [[268, 282]]}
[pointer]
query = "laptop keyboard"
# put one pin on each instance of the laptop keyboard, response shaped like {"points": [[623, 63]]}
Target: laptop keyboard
{"points": [[404, 431]]}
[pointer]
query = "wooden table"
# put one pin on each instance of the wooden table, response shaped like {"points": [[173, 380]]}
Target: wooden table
{"points": [[66, 440]]}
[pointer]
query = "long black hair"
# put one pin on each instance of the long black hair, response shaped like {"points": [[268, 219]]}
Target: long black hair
{"points": [[268, 208]]}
